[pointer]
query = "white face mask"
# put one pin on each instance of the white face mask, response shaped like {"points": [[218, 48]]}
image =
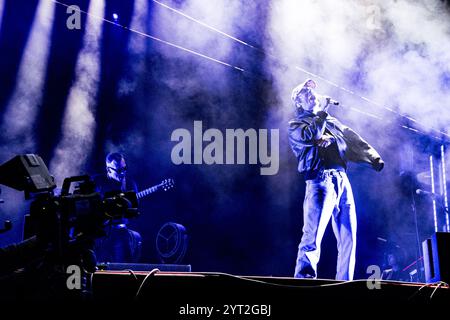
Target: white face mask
{"points": [[115, 170]]}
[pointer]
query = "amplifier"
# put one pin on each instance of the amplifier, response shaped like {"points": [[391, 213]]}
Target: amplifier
{"points": [[436, 257]]}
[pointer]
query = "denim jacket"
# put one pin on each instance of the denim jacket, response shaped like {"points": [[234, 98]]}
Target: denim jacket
{"points": [[306, 130]]}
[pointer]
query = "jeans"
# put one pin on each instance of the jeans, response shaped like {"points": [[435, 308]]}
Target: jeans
{"points": [[328, 196]]}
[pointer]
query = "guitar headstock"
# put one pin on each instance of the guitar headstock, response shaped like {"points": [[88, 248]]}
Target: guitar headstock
{"points": [[167, 184]]}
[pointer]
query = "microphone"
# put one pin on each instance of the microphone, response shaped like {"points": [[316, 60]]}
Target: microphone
{"points": [[326, 101], [428, 193]]}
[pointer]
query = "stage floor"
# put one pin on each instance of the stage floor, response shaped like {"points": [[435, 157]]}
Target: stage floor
{"points": [[175, 292]]}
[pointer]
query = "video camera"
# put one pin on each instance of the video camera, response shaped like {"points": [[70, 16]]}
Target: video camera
{"points": [[61, 220], [62, 229]]}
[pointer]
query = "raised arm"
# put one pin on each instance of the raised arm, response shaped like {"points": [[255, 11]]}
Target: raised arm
{"points": [[361, 151], [305, 133]]}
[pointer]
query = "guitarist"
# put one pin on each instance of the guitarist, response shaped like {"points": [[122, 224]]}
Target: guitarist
{"points": [[120, 244]]}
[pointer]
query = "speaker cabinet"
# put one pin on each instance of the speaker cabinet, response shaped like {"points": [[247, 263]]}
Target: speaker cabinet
{"points": [[436, 256]]}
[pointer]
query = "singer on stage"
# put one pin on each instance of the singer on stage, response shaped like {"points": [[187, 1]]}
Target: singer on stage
{"points": [[323, 146]]}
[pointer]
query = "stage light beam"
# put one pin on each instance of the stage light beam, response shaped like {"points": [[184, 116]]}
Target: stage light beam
{"points": [[433, 191], [21, 110], [2, 6], [78, 129], [136, 48], [444, 190]]}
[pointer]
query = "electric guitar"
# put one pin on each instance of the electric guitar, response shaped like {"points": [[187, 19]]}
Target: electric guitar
{"points": [[165, 185]]}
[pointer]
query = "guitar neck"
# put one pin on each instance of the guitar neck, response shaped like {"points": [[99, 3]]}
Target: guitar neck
{"points": [[147, 191]]}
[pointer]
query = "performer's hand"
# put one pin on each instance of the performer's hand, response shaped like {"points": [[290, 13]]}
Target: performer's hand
{"points": [[325, 103], [325, 141]]}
